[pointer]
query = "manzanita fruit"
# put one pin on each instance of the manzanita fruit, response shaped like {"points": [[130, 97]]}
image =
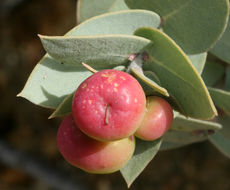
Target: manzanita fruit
{"points": [[89, 154], [109, 105], [157, 120]]}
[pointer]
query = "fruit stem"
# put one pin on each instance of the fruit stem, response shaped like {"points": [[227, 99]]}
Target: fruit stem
{"points": [[89, 67], [107, 114]]}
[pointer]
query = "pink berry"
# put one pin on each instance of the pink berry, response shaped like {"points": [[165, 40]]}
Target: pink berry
{"points": [[157, 120], [89, 154], [109, 105]]}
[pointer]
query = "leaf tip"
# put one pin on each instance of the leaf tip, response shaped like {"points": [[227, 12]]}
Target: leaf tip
{"points": [[51, 116], [40, 36], [19, 94]]}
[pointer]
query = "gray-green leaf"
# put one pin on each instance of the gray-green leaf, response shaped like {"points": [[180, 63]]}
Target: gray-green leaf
{"points": [[222, 47], [212, 73], [150, 83], [181, 123], [120, 22], [194, 24], [89, 8], [183, 137], [103, 51], [144, 153], [221, 98], [227, 79], [51, 81], [198, 61], [177, 75], [221, 143], [63, 108]]}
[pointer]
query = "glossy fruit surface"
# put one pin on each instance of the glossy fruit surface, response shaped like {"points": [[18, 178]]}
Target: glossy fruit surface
{"points": [[109, 105], [89, 154], [157, 120]]}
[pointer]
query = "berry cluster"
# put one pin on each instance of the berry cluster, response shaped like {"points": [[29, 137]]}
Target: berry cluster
{"points": [[108, 109]]}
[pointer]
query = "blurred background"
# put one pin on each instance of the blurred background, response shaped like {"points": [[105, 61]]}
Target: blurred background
{"points": [[29, 158]]}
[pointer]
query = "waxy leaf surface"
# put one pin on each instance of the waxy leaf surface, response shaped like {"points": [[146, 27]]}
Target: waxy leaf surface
{"points": [[177, 75]]}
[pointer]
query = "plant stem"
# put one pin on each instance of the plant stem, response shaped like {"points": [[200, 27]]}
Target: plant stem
{"points": [[89, 67]]}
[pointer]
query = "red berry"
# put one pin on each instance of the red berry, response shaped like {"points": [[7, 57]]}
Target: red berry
{"points": [[157, 120], [89, 154], [109, 105]]}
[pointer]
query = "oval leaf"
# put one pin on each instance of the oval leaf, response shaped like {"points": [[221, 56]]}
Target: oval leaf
{"points": [[221, 98], [89, 8], [212, 73], [182, 137], [227, 79], [63, 108], [188, 21], [150, 83], [105, 51], [221, 143], [121, 22], [182, 123], [177, 75], [222, 47], [225, 121], [144, 153], [51, 81], [198, 61], [171, 145]]}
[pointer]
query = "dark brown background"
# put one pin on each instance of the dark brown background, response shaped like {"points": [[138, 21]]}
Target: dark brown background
{"points": [[32, 137]]}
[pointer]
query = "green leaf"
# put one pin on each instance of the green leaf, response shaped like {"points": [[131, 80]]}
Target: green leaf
{"points": [[177, 75], [63, 108], [225, 121], [171, 145], [198, 61], [212, 73], [50, 82], [148, 82], [194, 25], [222, 138], [144, 153], [103, 51], [89, 8], [221, 98], [221, 143], [181, 123], [121, 22], [183, 137], [222, 47], [227, 79]]}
